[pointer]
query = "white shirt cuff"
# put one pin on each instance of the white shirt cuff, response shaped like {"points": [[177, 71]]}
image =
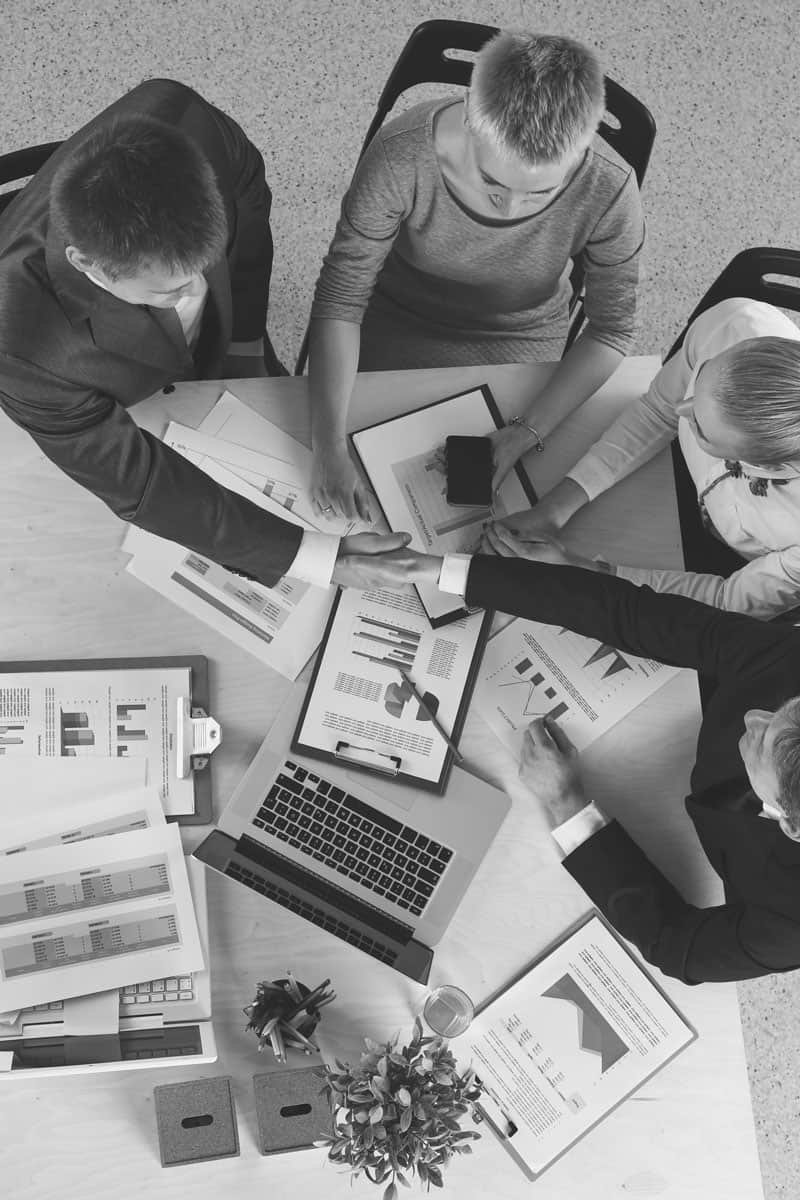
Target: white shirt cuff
{"points": [[579, 828], [315, 558], [454, 572]]}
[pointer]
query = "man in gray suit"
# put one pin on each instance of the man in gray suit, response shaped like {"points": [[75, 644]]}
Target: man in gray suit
{"points": [[139, 255]]}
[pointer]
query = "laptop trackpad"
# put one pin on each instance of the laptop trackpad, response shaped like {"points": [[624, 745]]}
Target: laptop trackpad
{"points": [[398, 795]]}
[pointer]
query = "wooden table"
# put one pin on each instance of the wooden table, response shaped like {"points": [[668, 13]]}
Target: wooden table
{"points": [[687, 1134]]}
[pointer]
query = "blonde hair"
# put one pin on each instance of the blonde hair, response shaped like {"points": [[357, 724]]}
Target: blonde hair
{"points": [[538, 98], [757, 390]]}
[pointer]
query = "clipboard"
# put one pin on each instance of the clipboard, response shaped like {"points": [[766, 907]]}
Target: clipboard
{"points": [[198, 667], [387, 765], [491, 1112], [440, 608]]}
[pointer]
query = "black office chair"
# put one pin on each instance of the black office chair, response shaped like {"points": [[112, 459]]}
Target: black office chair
{"points": [[19, 165], [435, 53], [748, 274]]}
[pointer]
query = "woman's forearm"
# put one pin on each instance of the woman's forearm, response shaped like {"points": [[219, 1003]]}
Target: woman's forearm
{"points": [[332, 367], [583, 369]]}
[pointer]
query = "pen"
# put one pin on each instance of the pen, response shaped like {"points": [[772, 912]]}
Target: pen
{"points": [[405, 675]]}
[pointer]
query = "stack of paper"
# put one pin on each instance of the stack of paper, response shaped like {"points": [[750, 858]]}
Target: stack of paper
{"points": [[94, 892], [281, 625]]}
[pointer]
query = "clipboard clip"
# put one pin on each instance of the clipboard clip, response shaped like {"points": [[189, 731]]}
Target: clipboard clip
{"points": [[198, 737], [364, 756]]}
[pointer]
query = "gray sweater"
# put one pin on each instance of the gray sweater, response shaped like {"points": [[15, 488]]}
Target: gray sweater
{"points": [[436, 284]]}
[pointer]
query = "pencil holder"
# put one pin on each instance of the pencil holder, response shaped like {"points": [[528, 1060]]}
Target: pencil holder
{"points": [[285, 1014]]}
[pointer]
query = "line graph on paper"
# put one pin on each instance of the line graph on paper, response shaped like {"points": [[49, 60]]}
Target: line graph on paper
{"points": [[532, 670]]}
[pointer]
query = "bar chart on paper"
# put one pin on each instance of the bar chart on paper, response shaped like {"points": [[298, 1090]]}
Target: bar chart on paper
{"points": [[532, 670]]}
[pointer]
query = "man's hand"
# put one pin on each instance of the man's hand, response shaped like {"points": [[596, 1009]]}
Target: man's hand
{"points": [[550, 769], [336, 489], [368, 560]]}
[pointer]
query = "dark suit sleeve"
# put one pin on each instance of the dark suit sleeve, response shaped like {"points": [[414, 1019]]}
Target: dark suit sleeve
{"points": [[670, 629], [94, 440], [250, 248], [695, 945]]}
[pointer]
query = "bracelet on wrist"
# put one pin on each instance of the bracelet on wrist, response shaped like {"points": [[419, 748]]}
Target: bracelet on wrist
{"points": [[538, 443]]}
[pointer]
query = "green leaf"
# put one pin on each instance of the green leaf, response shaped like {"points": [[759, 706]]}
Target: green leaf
{"points": [[406, 1117], [400, 1177], [391, 1192], [435, 1176], [362, 1116], [403, 1096], [376, 1114]]}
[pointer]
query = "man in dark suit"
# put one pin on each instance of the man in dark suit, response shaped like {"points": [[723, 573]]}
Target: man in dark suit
{"points": [[745, 799], [140, 254]]}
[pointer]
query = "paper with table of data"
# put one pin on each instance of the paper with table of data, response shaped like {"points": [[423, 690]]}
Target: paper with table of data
{"points": [[98, 914], [533, 670]]}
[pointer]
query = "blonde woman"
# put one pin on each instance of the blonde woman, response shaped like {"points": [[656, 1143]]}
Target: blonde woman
{"points": [[456, 240], [732, 396]]}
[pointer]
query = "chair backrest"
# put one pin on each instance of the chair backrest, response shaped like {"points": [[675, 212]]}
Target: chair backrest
{"points": [[435, 53], [748, 275], [19, 165]]}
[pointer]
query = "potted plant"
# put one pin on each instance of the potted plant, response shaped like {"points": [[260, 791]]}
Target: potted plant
{"points": [[397, 1113]]}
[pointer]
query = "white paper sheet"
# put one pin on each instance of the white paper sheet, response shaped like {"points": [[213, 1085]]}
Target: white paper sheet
{"points": [[281, 626], [572, 1038], [359, 695], [403, 459], [104, 714], [63, 824], [532, 670], [76, 919]]}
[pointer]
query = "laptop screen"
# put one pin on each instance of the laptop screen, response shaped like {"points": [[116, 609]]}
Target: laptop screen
{"points": [[126, 1046]]}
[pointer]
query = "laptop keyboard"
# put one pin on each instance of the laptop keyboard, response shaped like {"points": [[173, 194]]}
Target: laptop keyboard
{"points": [[358, 841], [137, 995], [157, 991]]}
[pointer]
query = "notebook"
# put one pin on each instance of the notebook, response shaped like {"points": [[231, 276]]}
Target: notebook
{"points": [[380, 864]]}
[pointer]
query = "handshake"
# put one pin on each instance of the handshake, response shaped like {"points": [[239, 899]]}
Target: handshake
{"points": [[372, 560]]}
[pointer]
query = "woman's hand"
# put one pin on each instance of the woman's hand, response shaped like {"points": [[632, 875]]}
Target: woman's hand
{"points": [[336, 489], [508, 446], [498, 539]]}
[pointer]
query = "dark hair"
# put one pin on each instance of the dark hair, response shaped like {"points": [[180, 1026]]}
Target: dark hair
{"points": [[786, 764], [138, 191]]}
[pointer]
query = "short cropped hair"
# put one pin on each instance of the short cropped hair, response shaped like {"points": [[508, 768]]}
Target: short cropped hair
{"points": [[536, 98], [138, 192], [786, 764], [757, 390]]}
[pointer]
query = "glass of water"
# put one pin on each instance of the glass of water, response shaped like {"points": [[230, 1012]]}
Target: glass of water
{"points": [[448, 1011]]}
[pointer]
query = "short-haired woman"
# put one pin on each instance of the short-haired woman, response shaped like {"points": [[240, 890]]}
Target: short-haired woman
{"points": [[455, 245], [732, 396]]}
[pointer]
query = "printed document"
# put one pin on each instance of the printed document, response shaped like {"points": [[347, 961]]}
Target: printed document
{"points": [[562, 1047], [360, 696], [281, 625], [101, 714], [534, 670], [404, 459], [98, 914]]}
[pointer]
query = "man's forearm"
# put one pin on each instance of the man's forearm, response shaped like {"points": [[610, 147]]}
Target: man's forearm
{"points": [[332, 367]]}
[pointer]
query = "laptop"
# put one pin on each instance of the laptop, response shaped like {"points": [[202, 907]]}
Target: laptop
{"points": [[377, 863], [162, 1023]]}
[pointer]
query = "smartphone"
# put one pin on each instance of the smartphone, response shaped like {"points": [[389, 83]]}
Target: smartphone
{"points": [[469, 469]]}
